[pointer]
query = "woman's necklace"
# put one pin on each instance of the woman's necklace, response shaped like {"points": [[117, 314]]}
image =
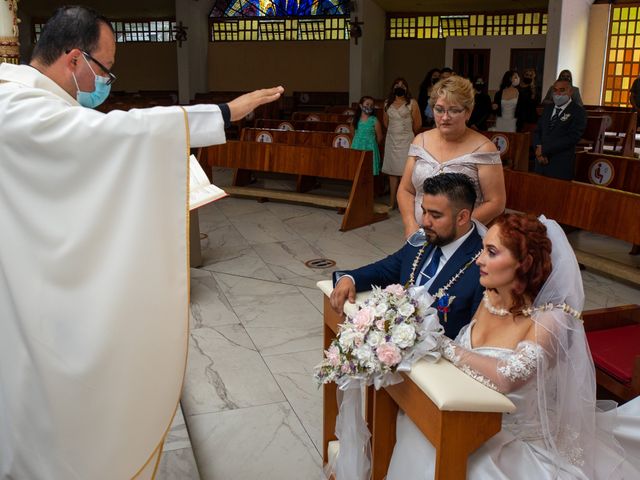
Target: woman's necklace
{"points": [[501, 312], [529, 310]]}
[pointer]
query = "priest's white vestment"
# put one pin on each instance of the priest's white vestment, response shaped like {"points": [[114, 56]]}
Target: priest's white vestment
{"points": [[94, 279]]}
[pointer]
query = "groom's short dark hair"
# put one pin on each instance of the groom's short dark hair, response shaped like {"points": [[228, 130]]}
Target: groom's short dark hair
{"points": [[457, 187]]}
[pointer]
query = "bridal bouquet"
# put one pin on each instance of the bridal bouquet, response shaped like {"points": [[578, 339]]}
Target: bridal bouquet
{"points": [[389, 332]]}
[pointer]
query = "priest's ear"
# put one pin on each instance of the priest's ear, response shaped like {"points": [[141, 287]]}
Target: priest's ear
{"points": [[72, 57]]}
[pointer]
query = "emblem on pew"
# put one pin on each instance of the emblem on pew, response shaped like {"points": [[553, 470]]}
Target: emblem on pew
{"points": [[343, 128], [264, 137], [286, 126], [501, 142], [341, 141], [601, 172], [313, 118]]}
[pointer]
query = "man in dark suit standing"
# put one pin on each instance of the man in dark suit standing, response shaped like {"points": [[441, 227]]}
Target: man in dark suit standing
{"points": [[560, 127], [444, 263]]}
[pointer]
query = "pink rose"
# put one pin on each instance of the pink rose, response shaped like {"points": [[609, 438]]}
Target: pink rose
{"points": [[389, 354], [333, 355], [395, 289], [380, 324], [363, 319]]}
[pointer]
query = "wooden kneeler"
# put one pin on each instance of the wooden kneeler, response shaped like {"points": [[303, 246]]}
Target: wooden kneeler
{"points": [[456, 413]]}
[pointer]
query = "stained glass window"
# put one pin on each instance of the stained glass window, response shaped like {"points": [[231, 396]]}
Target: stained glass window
{"points": [[130, 30], [425, 26], [272, 20], [623, 55]]}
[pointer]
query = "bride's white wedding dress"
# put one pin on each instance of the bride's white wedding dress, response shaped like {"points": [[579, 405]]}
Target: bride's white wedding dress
{"points": [[518, 451], [556, 431]]}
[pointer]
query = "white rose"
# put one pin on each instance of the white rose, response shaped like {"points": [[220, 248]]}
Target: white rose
{"points": [[406, 310], [375, 338], [348, 338], [403, 335], [364, 354], [381, 309]]}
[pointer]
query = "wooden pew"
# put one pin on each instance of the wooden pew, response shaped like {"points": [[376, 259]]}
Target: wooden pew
{"points": [[513, 148], [297, 137], [621, 132], [321, 117], [589, 207], [612, 171], [326, 162], [292, 137], [593, 136], [338, 127], [453, 429]]}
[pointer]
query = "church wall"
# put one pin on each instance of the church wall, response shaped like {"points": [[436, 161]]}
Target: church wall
{"points": [[139, 66], [595, 60], [500, 47], [411, 59], [298, 66]]}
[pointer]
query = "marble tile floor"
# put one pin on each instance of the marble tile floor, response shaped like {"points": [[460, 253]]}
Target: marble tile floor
{"points": [[250, 404]]}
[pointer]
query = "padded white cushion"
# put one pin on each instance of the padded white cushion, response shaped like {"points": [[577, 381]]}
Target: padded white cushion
{"points": [[447, 387]]}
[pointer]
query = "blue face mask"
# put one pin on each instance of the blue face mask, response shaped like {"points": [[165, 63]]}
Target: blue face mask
{"points": [[99, 94]]}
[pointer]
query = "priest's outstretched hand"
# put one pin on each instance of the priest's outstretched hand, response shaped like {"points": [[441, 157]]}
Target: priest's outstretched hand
{"points": [[244, 104]]}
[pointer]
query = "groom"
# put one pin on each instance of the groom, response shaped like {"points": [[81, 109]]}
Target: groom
{"points": [[445, 263]]}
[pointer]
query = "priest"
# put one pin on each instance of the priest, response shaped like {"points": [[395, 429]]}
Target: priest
{"points": [[94, 268]]}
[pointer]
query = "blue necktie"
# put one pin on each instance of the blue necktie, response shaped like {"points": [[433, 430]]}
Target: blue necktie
{"points": [[431, 269]]}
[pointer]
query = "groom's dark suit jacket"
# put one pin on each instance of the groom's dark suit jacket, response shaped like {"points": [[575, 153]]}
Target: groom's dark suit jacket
{"points": [[559, 143], [396, 268]]}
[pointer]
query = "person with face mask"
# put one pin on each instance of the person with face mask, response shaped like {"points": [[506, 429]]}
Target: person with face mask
{"points": [[506, 102], [402, 120], [528, 95], [564, 75], [94, 265], [481, 106], [367, 131], [559, 129]]}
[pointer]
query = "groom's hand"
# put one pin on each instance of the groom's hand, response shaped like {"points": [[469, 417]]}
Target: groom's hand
{"points": [[344, 289]]}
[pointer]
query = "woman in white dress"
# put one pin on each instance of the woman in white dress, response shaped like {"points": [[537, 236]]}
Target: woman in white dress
{"points": [[505, 102], [527, 341], [452, 147], [402, 119]]}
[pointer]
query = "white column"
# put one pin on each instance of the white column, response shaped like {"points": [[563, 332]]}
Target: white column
{"points": [[567, 37], [596, 61], [366, 59], [192, 56]]}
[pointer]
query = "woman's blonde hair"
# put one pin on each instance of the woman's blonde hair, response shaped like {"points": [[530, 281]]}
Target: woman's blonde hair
{"points": [[454, 89]]}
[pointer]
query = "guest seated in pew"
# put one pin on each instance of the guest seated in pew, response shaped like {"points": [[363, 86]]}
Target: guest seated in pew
{"points": [[452, 147], [526, 340], [444, 260], [367, 131], [559, 130]]}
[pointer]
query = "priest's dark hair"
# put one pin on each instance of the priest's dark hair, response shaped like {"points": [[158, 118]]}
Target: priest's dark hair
{"points": [[457, 187], [70, 27]]}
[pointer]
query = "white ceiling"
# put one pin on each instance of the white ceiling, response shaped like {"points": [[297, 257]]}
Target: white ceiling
{"points": [[458, 6]]}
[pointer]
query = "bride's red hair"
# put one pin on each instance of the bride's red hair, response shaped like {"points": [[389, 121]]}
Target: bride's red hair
{"points": [[526, 238]]}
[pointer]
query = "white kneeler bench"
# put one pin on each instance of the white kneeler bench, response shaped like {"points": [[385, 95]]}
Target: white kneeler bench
{"points": [[455, 412]]}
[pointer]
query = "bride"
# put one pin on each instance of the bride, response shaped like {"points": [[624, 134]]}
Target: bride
{"points": [[528, 342]]}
